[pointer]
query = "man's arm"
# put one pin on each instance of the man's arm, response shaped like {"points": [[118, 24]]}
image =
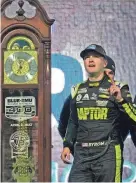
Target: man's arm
{"points": [[64, 117], [71, 131], [133, 129], [126, 105], [72, 127]]}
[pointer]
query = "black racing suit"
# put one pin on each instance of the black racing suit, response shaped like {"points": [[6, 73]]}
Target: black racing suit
{"points": [[126, 126], [126, 123], [135, 99], [64, 117], [95, 126]]}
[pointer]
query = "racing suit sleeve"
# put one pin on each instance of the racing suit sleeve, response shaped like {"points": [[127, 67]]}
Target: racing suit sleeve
{"points": [[64, 117], [72, 127], [133, 128], [135, 99], [133, 134], [127, 105]]}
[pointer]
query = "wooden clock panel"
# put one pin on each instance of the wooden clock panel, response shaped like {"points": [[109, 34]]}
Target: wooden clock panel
{"points": [[25, 94]]}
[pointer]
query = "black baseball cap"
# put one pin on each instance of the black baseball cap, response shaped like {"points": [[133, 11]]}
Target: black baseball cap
{"points": [[93, 48], [110, 63]]}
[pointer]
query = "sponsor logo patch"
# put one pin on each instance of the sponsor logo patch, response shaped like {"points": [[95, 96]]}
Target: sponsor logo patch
{"points": [[94, 96], [103, 90], [101, 102], [85, 97], [78, 98], [82, 90]]}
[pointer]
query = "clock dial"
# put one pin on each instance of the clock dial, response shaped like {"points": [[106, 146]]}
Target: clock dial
{"points": [[20, 67]]}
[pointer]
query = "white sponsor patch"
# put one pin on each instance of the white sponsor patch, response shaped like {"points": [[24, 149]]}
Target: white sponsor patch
{"points": [[103, 90], [82, 90], [94, 96], [78, 98], [85, 97], [101, 102], [93, 144]]}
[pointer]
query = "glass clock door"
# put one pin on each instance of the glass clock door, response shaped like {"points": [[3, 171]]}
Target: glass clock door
{"points": [[20, 135]]}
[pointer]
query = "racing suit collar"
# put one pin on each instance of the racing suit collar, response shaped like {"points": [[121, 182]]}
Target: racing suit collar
{"points": [[96, 83]]}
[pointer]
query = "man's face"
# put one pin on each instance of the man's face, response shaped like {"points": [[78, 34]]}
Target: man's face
{"points": [[94, 63], [110, 73]]}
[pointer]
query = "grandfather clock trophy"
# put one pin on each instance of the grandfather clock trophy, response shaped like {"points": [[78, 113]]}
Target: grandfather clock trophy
{"points": [[25, 92]]}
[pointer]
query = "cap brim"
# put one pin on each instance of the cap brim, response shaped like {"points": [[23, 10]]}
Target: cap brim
{"points": [[85, 52]]}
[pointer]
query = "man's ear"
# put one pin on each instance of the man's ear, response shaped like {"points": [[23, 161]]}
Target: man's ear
{"points": [[105, 62]]}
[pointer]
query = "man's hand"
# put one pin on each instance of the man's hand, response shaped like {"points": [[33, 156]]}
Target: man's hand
{"points": [[116, 92], [65, 155]]}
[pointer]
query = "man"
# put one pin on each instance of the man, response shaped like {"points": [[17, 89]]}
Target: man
{"points": [[94, 123], [65, 113], [125, 127]]}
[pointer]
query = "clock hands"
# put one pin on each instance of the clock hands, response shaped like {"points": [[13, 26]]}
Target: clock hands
{"points": [[20, 63]]}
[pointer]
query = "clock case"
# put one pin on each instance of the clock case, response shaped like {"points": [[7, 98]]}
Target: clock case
{"points": [[38, 30]]}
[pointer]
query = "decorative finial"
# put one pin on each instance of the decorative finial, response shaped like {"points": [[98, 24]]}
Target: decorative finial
{"points": [[20, 12], [21, 3]]}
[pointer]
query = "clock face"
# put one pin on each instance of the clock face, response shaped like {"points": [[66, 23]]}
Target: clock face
{"points": [[20, 67]]}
